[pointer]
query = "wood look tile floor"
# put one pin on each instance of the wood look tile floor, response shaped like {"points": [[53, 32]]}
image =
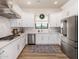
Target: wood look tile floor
{"points": [[27, 54]]}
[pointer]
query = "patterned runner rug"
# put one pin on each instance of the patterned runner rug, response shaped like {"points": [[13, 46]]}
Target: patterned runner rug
{"points": [[45, 49]]}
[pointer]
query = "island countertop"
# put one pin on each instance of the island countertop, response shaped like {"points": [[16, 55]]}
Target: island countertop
{"points": [[4, 43]]}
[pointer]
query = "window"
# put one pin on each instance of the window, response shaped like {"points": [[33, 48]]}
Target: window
{"points": [[38, 25], [41, 23], [44, 25]]}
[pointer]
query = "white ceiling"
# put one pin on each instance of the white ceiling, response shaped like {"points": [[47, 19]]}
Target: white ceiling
{"points": [[41, 3]]}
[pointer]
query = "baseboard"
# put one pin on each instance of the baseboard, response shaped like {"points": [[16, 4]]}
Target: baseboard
{"points": [[46, 44]]}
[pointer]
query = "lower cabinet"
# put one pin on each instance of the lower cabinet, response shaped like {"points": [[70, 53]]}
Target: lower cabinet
{"points": [[9, 52], [47, 38], [21, 44], [12, 50], [42, 39]]}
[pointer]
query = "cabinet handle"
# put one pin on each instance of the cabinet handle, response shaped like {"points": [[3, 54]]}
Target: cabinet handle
{"points": [[18, 47]]}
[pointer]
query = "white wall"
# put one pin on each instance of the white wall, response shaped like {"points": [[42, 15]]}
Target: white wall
{"points": [[5, 28]]}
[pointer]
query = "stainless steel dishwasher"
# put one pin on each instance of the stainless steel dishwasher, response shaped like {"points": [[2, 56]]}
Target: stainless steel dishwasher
{"points": [[31, 39]]}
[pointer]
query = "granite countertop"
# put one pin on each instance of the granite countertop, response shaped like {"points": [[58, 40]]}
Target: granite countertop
{"points": [[4, 43]]}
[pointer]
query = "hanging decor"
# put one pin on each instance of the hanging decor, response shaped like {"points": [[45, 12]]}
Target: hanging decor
{"points": [[41, 16]]}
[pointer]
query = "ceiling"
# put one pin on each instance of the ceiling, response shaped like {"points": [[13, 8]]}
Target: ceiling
{"points": [[41, 3]]}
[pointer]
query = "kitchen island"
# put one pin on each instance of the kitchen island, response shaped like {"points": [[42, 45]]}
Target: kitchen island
{"points": [[10, 49]]}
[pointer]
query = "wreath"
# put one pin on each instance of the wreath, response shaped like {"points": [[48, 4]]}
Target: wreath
{"points": [[42, 16]]}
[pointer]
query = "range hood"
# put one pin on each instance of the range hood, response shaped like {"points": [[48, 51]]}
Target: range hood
{"points": [[6, 10], [9, 14]]}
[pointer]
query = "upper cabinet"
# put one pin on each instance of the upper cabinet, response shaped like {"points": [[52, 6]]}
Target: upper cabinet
{"points": [[70, 9], [27, 20], [54, 20]]}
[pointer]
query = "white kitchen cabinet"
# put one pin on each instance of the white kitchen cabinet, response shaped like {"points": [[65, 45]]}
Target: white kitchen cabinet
{"points": [[12, 50], [45, 38], [48, 38], [4, 54], [70, 9], [55, 20], [9, 52], [16, 22], [26, 21], [21, 43], [38, 39], [42, 38], [54, 38]]}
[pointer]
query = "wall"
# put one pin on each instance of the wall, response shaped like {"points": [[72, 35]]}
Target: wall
{"points": [[5, 28]]}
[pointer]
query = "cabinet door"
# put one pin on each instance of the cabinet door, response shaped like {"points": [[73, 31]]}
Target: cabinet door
{"points": [[3, 54], [54, 38], [16, 23], [42, 39], [9, 52], [45, 39], [21, 43], [54, 23], [54, 20], [38, 39], [13, 22], [28, 20]]}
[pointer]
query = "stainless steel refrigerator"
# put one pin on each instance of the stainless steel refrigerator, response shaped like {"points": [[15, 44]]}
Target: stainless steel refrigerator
{"points": [[72, 35], [70, 45], [72, 28]]}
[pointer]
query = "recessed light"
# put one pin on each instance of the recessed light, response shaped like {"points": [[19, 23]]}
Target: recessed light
{"points": [[28, 2], [56, 2]]}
